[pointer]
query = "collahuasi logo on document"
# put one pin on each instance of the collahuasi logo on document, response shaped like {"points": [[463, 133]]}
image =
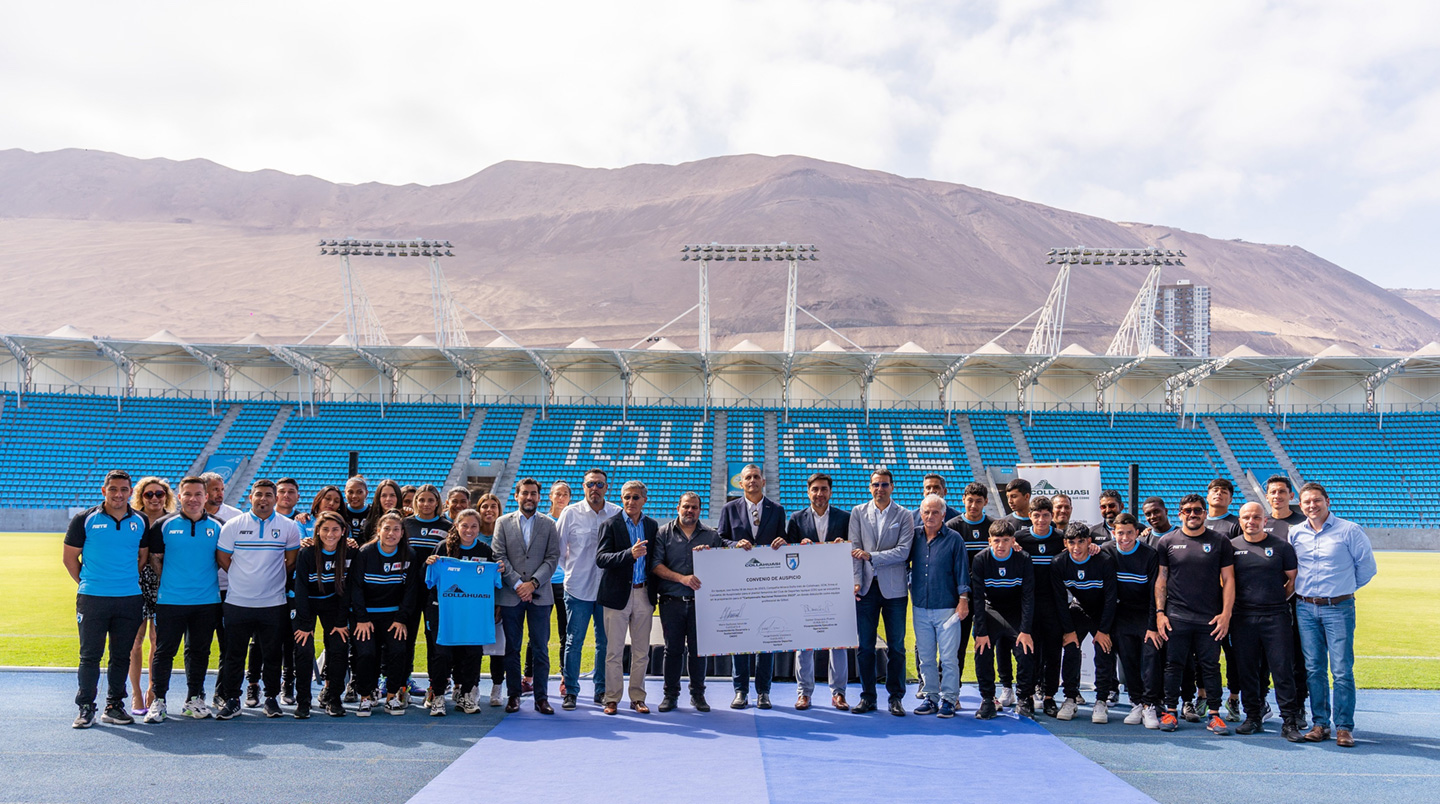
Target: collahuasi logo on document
{"points": [[456, 591], [755, 562]]}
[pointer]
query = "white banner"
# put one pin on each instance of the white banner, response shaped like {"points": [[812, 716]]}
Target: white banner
{"points": [[1079, 480], [799, 597]]}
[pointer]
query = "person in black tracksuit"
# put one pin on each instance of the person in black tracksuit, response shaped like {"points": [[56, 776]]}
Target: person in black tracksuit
{"points": [[426, 530], [1260, 630], [1043, 544], [463, 542], [1002, 583], [321, 573], [1137, 645], [385, 583], [974, 528], [1084, 588]]}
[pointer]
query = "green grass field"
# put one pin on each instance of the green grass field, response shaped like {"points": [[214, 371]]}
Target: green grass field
{"points": [[1398, 640]]}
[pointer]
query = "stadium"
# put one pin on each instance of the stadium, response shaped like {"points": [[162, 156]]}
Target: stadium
{"points": [[444, 411]]}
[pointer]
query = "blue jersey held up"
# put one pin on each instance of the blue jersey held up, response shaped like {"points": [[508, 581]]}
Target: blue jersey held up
{"points": [[466, 594]]}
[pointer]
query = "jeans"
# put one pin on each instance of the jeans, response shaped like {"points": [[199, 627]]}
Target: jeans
{"points": [[763, 666], [932, 634], [578, 615], [117, 619], [1327, 634], [869, 610], [517, 619], [839, 671]]}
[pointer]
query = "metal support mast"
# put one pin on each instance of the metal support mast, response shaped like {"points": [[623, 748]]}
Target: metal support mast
{"points": [[24, 365], [449, 326], [793, 254], [361, 322], [1050, 326]]}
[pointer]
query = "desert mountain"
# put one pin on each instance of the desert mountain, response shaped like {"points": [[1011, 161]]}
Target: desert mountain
{"points": [[549, 253]]}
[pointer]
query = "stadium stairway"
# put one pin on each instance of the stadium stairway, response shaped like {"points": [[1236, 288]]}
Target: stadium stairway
{"points": [[456, 476], [236, 490], [504, 486], [1017, 432], [1281, 455], [719, 461], [216, 438], [972, 448], [1245, 483]]}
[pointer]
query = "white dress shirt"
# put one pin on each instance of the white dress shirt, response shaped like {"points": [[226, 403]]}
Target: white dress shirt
{"points": [[579, 538]]}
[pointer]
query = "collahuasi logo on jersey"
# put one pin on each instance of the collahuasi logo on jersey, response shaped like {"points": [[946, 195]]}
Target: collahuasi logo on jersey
{"points": [[456, 591]]}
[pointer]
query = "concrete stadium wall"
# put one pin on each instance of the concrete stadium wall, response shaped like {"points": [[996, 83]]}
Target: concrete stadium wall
{"points": [[1403, 539]]}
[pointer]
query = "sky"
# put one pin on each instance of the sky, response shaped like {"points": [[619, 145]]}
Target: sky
{"points": [[1309, 123]]}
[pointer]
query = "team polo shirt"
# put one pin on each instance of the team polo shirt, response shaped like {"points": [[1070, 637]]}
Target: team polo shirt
{"points": [[1192, 581], [1227, 526], [109, 551], [465, 591], [257, 550], [1005, 586], [1260, 575], [426, 534], [188, 575]]}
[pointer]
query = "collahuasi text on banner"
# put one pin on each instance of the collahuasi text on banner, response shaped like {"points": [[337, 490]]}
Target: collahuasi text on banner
{"points": [[1079, 480]]}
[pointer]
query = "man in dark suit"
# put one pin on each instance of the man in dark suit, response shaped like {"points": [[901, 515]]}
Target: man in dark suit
{"points": [[751, 520], [627, 594], [527, 545], [820, 523]]}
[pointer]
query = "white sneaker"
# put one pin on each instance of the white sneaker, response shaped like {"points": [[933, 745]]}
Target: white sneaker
{"points": [[363, 708], [157, 711], [196, 708], [1100, 713], [469, 705], [1007, 698], [1151, 718], [495, 695], [1067, 710], [1136, 716], [395, 705], [437, 706]]}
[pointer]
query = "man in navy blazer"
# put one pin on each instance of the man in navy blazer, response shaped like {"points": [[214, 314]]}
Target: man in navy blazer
{"points": [[627, 594], [821, 523], [751, 520]]}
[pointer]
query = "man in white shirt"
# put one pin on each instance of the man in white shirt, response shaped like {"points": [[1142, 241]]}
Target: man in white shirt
{"points": [[820, 523], [579, 527], [257, 549], [881, 532]]}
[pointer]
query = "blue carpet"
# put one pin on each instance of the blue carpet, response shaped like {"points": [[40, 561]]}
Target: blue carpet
{"points": [[781, 755]]}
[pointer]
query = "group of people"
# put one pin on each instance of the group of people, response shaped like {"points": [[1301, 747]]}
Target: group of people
{"points": [[1271, 589]]}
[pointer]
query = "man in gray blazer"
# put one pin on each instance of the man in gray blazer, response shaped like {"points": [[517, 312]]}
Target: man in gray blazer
{"points": [[881, 532], [528, 546]]}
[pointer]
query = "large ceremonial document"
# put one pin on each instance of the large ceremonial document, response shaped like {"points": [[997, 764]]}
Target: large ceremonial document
{"points": [[761, 600]]}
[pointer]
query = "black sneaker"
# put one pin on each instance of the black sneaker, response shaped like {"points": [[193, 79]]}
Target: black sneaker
{"points": [[667, 703], [987, 710], [350, 695], [302, 710], [287, 693], [334, 708], [229, 709], [698, 701], [1232, 708], [116, 715], [1049, 707], [252, 696], [1250, 726], [272, 709], [86, 718], [568, 702], [1026, 707], [1291, 732], [1190, 713], [217, 702]]}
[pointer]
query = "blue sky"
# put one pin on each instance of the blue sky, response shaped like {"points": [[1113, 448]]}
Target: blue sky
{"points": [[1305, 123]]}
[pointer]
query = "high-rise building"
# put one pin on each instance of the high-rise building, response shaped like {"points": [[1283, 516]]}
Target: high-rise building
{"points": [[1183, 313]]}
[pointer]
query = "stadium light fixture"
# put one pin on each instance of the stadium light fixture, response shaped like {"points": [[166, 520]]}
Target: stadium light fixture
{"points": [[351, 247], [790, 253], [1082, 255]]}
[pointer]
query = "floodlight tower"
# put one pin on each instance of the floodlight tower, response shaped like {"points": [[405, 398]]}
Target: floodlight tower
{"points": [[1137, 331], [793, 254], [361, 323]]}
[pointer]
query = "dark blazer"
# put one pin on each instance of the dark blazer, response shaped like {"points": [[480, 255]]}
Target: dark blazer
{"points": [[802, 525], [613, 557], [735, 522]]}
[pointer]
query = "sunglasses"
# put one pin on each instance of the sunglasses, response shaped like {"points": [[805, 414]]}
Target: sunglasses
{"points": [[1192, 510], [880, 485], [632, 496], [595, 484], [154, 495]]}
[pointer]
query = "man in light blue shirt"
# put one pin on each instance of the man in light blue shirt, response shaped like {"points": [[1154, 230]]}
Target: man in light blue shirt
{"points": [[1334, 560]]}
